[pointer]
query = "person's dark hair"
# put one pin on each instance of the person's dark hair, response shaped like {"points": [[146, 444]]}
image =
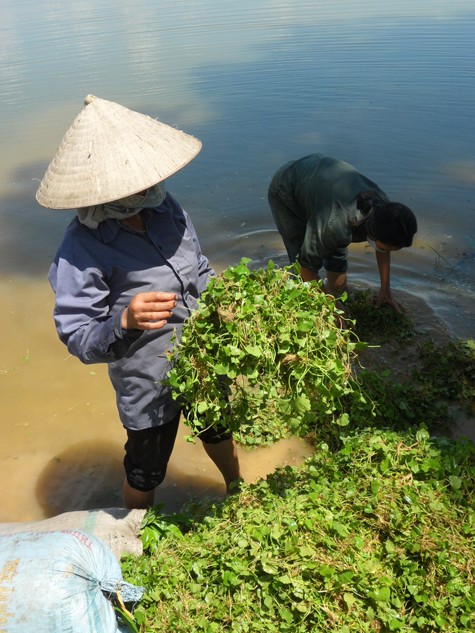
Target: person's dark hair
{"points": [[368, 201], [392, 223]]}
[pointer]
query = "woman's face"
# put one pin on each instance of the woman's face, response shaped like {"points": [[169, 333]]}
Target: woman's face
{"points": [[386, 248], [382, 247]]}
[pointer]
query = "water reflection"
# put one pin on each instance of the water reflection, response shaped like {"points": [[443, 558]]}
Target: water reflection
{"points": [[385, 87]]}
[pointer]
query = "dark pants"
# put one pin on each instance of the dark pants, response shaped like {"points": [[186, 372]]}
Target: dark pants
{"points": [[147, 452], [292, 226]]}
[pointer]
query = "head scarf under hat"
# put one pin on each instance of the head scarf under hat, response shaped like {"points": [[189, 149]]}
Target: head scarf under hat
{"points": [[123, 208], [111, 152]]}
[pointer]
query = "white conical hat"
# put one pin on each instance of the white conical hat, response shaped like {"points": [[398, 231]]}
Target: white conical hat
{"points": [[110, 152]]}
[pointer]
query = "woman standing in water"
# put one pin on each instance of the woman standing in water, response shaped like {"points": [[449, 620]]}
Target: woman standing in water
{"points": [[127, 274], [321, 205]]}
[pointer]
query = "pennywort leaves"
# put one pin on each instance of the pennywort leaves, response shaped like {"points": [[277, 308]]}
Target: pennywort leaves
{"points": [[276, 346]]}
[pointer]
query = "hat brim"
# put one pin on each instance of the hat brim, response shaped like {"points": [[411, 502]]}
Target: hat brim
{"points": [[111, 152]]}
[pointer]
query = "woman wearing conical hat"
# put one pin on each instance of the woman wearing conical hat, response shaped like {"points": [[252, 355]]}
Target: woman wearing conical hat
{"points": [[127, 274]]}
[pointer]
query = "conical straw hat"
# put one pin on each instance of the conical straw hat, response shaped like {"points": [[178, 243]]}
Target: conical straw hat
{"points": [[110, 152]]}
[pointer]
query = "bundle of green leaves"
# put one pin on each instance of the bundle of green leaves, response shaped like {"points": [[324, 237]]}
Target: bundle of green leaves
{"points": [[377, 536], [275, 345]]}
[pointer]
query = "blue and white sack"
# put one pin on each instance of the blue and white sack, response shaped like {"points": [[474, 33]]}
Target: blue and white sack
{"points": [[59, 582]]}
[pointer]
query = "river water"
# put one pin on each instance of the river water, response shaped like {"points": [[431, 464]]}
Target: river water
{"points": [[388, 87]]}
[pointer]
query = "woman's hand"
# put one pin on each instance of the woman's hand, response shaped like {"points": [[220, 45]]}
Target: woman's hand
{"points": [[148, 311], [385, 297]]}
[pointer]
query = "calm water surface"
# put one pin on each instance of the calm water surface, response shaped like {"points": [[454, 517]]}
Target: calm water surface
{"points": [[388, 87]]}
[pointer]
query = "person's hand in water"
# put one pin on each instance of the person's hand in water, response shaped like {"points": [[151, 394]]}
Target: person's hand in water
{"points": [[385, 298]]}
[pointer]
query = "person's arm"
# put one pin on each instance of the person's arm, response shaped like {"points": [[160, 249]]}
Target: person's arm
{"points": [[384, 266], [82, 315], [84, 321]]}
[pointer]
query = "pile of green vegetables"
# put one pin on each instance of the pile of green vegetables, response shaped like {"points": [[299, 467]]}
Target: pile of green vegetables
{"points": [[267, 355], [276, 346], [374, 533], [377, 536]]}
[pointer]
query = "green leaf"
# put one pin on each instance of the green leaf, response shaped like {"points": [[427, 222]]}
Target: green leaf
{"points": [[346, 577], [269, 568], [202, 407], [302, 403], [253, 350], [382, 594], [306, 551], [326, 571], [349, 600], [128, 619], [230, 579], [375, 486], [455, 482], [343, 420], [286, 615]]}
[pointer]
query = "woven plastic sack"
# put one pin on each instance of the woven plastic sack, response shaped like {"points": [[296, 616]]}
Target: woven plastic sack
{"points": [[59, 582], [118, 528]]}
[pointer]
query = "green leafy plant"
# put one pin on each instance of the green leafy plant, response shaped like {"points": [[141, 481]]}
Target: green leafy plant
{"points": [[448, 371], [443, 380], [374, 532], [276, 345], [378, 325], [377, 536], [438, 376], [397, 405], [156, 526]]}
